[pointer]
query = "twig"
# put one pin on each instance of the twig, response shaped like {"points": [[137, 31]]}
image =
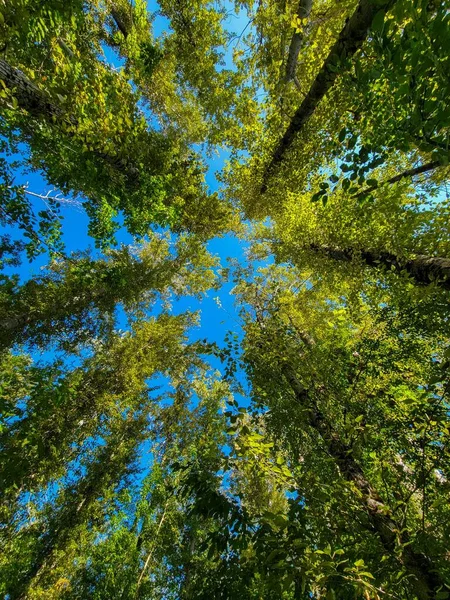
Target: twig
{"points": [[149, 557]]}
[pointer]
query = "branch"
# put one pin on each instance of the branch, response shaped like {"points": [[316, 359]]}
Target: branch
{"points": [[303, 12], [57, 198], [349, 41], [66, 48], [409, 173], [149, 557], [121, 26]]}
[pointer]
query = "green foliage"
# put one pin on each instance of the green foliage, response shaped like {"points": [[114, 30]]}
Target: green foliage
{"points": [[77, 297], [307, 456], [42, 230]]}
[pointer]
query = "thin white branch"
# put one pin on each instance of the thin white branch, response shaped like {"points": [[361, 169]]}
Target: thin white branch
{"points": [[57, 197]]}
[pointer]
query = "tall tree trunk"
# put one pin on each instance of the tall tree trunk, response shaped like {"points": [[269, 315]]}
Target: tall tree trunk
{"points": [[102, 474], [51, 312], [28, 95], [303, 12], [349, 41], [428, 580], [424, 270]]}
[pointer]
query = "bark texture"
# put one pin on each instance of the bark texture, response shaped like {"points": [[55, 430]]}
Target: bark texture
{"points": [[349, 41], [28, 95], [427, 578], [423, 269]]}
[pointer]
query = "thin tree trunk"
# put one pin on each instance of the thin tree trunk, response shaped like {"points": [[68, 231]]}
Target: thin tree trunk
{"points": [[106, 470], [349, 41], [424, 270], [428, 581], [186, 584], [430, 166], [150, 554], [303, 12], [18, 324]]}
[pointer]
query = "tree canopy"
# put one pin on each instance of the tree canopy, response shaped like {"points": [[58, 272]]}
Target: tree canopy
{"points": [[293, 444]]}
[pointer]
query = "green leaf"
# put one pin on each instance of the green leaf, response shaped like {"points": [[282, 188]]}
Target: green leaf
{"points": [[378, 22], [317, 196]]}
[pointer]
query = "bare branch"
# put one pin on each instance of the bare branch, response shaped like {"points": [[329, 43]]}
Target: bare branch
{"points": [[76, 204]]}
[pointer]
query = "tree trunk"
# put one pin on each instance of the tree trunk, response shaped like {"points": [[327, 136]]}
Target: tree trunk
{"points": [[102, 474], [303, 11], [120, 19], [428, 580], [28, 95], [119, 22], [424, 270], [349, 41]]}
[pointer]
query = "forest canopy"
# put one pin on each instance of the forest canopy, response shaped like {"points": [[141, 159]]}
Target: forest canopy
{"points": [[224, 299]]}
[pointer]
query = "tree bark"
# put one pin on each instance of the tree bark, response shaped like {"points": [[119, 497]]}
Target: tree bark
{"points": [[303, 11], [349, 41], [424, 270], [430, 166], [121, 19], [28, 95], [119, 22], [428, 580]]}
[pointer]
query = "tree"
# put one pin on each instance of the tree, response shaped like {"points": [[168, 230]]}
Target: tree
{"points": [[303, 457], [76, 299], [290, 369], [122, 165]]}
